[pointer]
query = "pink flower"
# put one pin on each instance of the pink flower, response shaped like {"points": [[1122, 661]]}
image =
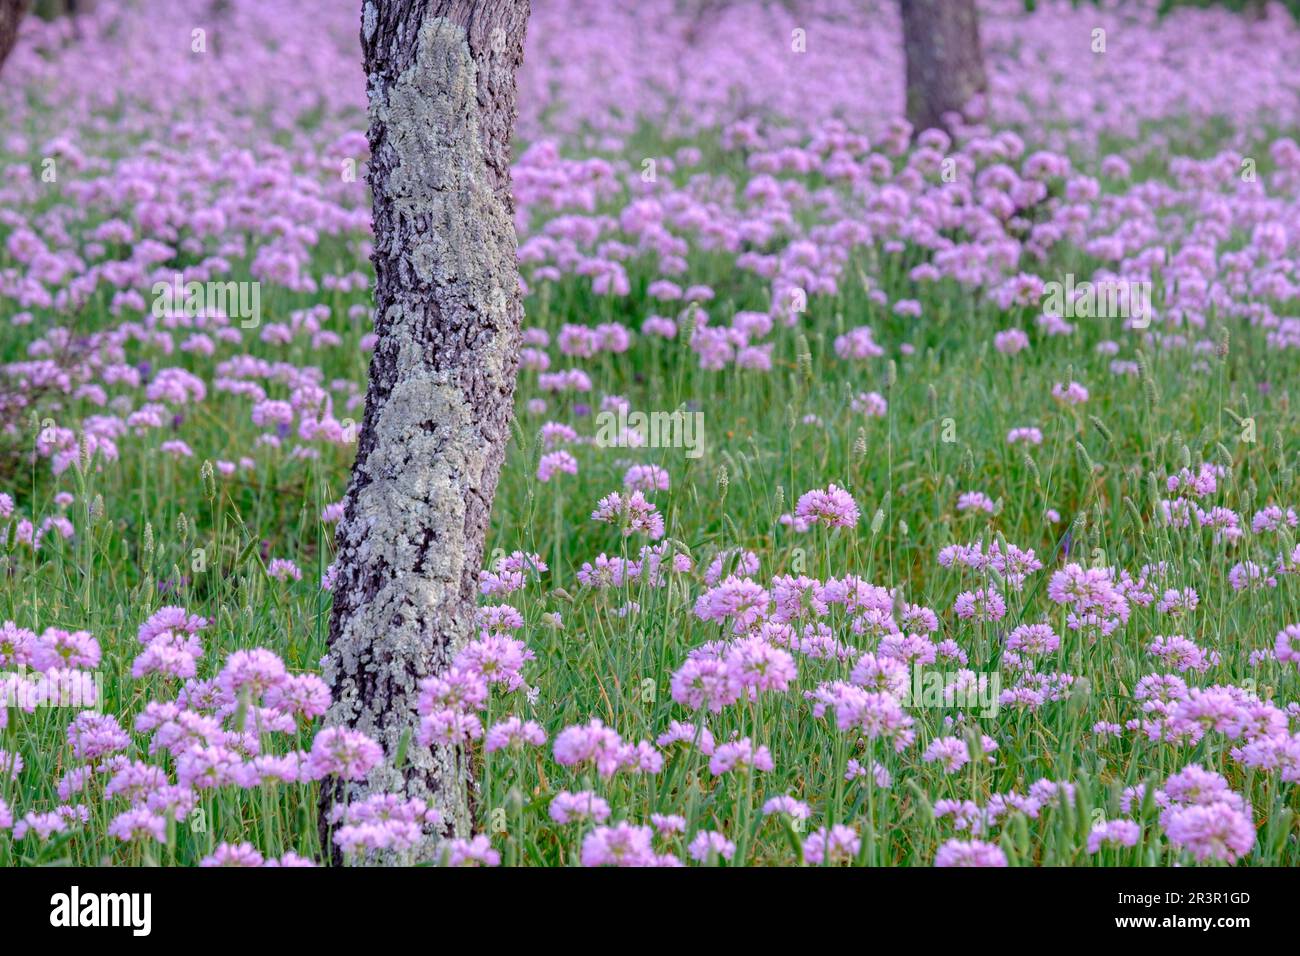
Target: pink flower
{"points": [[252, 673], [739, 753], [282, 569], [951, 753], [833, 507], [556, 462], [513, 732], [709, 844], [139, 823], [339, 751], [633, 513], [239, 855], [839, 844], [1286, 647], [698, 684], [646, 478], [1215, 831], [970, 853], [975, 501], [1071, 393], [573, 807], [1113, 833], [619, 845]]}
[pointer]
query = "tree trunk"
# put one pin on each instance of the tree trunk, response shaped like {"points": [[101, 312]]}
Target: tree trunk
{"points": [[441, 85], [945, 66], [703, 18], [11, 15]]}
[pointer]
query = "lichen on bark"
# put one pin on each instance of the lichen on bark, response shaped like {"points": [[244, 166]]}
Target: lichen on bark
{"points": [[448, 312]]}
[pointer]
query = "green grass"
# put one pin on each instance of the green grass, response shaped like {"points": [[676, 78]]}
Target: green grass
{"points": [[147, 523]]}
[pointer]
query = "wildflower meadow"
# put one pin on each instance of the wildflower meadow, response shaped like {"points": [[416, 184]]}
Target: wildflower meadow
{"points": [[872, 497]]}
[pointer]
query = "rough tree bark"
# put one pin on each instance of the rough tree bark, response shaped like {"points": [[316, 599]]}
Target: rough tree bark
{"points": [[441, 85], [11, 15], [945, 65]]}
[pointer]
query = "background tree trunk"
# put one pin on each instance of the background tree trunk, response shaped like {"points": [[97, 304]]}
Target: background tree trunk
{"points": [[704, 16], [11, 15], [945, 65], [441, 84]]}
